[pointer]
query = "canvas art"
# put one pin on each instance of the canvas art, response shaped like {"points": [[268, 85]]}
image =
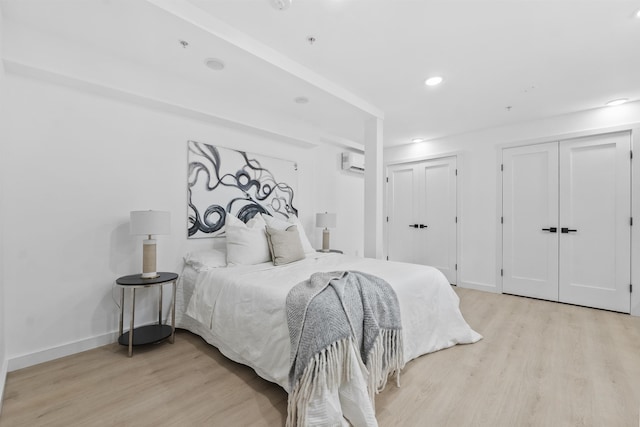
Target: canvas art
{"points": [[224, 182]]}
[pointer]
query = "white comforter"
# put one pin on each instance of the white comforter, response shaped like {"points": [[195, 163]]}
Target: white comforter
{"points": [[242, 309]]}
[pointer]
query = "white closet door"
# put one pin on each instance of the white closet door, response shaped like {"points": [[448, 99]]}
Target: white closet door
{"points": [[595, 209], [422, 213], [402, 211], [530, 214], [437, 212]]}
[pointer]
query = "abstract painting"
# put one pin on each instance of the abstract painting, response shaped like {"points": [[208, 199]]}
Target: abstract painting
{"points": [[223, 182]]}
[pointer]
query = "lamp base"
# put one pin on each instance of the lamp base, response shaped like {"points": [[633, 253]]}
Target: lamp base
{"points": [[149, 259], [325, 240]]}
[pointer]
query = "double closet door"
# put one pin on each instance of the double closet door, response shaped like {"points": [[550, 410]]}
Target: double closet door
{"points": [[567, 221], [421, 208]]}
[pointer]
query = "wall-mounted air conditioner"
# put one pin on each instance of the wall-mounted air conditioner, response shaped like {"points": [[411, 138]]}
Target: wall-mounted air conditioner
{"points": [[353, 162]]}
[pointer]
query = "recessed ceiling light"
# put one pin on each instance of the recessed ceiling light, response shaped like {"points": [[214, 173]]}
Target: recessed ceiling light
{"points": [[214, 63], [616, 102], [433, 81], [281, 4], [416, 140], [301, 100]]}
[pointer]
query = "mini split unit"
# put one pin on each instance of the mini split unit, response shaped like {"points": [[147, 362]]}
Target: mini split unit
{"points": [[353, 162]]}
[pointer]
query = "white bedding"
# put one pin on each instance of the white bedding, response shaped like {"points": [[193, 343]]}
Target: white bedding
{"points": [[241, 309]]}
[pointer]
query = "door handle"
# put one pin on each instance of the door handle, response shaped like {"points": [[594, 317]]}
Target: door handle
{"points": [[423, 226], [413, 225], [550, 229], [567, 230]]}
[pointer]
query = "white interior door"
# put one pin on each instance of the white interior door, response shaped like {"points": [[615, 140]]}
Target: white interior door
{"points": [[595, 212], [402, 211], [422, 209], [437, 209], [530, 221]]}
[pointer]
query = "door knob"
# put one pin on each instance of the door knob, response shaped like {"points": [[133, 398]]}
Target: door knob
{"points": [[423, 226], [413, 225], [567, 230], [550, 229]]}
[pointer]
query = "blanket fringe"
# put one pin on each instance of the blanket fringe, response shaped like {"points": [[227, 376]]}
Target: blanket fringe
{"points": [[328, 369], [332, 366], [385, 359]]}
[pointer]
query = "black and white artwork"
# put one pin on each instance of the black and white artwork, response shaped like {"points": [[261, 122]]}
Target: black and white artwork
{"points": [[225, 182]]}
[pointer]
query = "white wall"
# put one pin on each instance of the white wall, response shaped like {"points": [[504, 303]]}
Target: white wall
{"points": [[75, 165], [479, 173], [3, 357]]}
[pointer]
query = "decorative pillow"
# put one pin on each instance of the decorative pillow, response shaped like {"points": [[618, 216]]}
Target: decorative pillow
{"points": [[206, 259], [283, 224], [246, 243], [285, 245]]}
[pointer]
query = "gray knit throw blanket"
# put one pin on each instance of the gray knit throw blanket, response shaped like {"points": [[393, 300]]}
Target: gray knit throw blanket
{"points": [[328, 315]]}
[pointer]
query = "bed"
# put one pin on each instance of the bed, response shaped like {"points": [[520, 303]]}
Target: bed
{"points": [[241, 310]]}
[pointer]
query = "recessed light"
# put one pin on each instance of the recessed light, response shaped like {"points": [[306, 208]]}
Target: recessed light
{"points": [[616, 102], [433, 81], [214, 63], [416, 140], [301, 100], [281, 4]]}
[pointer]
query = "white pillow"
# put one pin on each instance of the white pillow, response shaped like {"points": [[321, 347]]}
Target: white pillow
{"points": [[206, 259], [246, 243], [283, 224]]}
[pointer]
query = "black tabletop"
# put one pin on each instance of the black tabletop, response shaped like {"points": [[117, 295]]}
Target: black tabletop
{"points": [[136, 280]]}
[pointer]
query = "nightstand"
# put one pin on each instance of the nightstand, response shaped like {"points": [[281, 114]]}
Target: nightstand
{"points": [[334, 251], [150, 333]]}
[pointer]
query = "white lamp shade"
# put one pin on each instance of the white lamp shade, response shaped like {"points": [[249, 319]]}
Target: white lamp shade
{"points": [[150, 222], [326, 220]]}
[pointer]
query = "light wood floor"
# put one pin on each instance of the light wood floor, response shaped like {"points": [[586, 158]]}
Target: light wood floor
{"points": [[540, 364]]}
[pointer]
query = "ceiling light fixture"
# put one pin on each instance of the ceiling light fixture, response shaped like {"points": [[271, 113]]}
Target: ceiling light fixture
{"points": [[616, 102], [214, 63], [433, 81], [416, 140], [301, 100], [638, 14], [281, 4]]}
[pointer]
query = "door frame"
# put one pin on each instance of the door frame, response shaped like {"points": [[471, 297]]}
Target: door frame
{"points": [[634, 128], [385, 235]]}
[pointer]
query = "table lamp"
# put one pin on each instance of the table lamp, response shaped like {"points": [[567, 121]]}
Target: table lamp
{"points": [[326, 220], [149, 223]]}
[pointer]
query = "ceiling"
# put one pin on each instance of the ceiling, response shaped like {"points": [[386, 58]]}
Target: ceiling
{"points": [[503, 62]]}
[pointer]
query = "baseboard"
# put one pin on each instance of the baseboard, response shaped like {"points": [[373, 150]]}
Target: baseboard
{"points": [[478, 286], [42, 356], [3, 380]]}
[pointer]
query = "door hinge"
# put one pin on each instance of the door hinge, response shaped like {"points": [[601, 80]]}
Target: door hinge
{"points": [[387, 219], [501, 220], [501, 272], [387, 257], [456, 220], [387, 179], [456, 267], [456, 172], [631, 221], [630, 288], [502, 167], [631, 154]]}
